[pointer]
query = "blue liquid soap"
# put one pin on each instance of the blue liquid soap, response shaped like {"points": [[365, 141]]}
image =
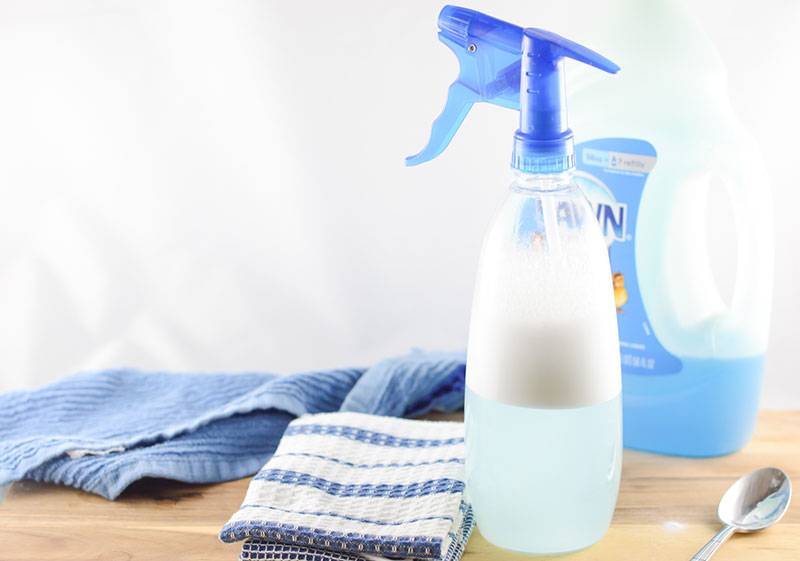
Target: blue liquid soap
{"points": [[709, 408], [543, 480]]}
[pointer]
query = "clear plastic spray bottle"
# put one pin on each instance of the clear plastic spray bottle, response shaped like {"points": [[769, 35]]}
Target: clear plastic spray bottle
{"points": [[543, 412]]}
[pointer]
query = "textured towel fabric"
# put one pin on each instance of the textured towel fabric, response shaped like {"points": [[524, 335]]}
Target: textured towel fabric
{"points": [[347, 486], [102, 431]]}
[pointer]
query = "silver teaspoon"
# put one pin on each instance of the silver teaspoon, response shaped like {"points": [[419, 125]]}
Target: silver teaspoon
{"points": [[756, 501]]}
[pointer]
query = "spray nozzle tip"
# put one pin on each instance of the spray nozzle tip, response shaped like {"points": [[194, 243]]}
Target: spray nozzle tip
{"points": [[454, 23], [549, 46]]}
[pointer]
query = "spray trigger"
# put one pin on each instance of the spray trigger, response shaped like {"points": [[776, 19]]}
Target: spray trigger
{"points": [[488, 52]]}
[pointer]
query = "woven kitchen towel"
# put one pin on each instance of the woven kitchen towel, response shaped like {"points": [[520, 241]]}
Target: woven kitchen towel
{"points": [[349, 486], [102, 431]]}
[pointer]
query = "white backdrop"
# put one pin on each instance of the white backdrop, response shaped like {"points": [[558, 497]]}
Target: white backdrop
{"points": [[220, 186]]}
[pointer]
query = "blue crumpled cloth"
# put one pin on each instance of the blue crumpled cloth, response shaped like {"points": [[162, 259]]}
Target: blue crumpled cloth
{"points": [[102, 431]]}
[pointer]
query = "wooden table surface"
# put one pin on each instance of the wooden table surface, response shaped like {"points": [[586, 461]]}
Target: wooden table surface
{"points": [[666, 510]]}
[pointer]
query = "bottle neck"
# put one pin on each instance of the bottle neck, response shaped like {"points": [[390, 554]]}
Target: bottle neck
{"points": [[542, 182]]}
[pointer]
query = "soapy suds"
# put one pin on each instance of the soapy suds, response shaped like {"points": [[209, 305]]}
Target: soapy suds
{"points": [[551, 311]]}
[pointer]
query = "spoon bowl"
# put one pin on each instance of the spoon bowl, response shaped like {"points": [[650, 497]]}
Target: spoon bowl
{"points": [[757, 500]]}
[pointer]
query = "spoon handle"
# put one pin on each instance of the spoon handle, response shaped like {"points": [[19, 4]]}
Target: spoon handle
{"points": [[714, 544]]}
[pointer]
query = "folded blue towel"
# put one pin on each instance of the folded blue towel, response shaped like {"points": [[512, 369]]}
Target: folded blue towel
{"points": [[354, 487], [102, 431]]}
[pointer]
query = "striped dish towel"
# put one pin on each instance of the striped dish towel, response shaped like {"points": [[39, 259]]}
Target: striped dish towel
{"points": [[350, 486]]}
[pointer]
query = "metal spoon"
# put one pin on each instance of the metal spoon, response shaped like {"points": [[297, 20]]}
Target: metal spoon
{"points": [[756, 501]]}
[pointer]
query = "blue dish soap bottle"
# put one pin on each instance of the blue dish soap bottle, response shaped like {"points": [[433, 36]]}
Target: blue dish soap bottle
{"points": [[666, 153], [543, 412]]}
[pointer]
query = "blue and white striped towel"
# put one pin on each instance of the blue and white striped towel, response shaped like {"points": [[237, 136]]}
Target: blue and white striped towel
{"points": [[350, 486]]}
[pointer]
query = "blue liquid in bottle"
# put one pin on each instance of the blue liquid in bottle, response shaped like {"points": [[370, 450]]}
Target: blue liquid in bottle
{"points": [[543, 480], [709, 408]]}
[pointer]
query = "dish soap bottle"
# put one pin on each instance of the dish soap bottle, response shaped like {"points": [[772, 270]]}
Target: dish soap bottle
{"points": [[542, 410], [664, 155]]}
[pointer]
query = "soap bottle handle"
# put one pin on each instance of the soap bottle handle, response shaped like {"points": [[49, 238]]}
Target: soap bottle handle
{"points": [[750, 201]]}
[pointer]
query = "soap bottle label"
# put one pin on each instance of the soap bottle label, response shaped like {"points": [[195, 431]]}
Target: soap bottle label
{"points": [[613, 173]]}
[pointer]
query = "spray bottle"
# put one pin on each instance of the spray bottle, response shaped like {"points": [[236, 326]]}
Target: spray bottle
{"points": [[542, 410]]}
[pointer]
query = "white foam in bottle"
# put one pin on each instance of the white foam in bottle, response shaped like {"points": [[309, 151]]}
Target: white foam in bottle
{"points": [[543, 374]]}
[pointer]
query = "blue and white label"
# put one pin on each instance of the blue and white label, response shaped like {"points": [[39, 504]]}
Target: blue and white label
{"points": [[613, 173]]}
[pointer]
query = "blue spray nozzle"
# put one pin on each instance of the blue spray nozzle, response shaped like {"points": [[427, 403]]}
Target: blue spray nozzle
{"points": [[543, 143], [522, 69]]}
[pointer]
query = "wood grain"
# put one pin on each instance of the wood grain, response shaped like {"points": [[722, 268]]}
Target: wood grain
{"points": [[666, 511]]}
